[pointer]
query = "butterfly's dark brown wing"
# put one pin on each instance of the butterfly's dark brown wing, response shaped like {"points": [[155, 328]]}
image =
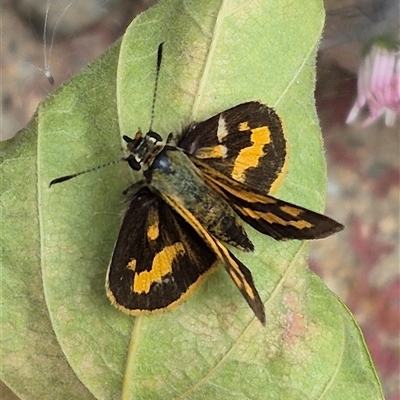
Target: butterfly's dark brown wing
{"points": [[276, 218], [158, 257], [242, 154], [239, 273], [245, 143]]}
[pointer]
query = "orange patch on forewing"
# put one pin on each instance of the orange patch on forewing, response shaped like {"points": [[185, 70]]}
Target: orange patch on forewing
{"points": [[235, 278], [293, 211], [243, 285], [274, 219], [250, 156], [153, 231], [236, 274], [162, 265], [131, 265], [244, 126], [249, 212], [211, 152], [246, 287], [301, 224], [241, 194]]}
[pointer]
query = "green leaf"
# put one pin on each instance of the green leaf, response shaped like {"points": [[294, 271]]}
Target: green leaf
{"points": [[32, 362], [57, 242]]}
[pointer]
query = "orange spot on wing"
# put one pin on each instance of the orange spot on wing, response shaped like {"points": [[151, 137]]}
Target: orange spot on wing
{"points": [[162, 265], [250, 156]]}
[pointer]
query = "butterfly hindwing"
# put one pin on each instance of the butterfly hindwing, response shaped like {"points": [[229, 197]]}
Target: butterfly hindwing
{"points": [[158, 257]]}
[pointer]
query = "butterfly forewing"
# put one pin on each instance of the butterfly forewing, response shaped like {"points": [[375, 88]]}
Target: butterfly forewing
{"points": [[238, 272], [276, 218], [245, 143]]}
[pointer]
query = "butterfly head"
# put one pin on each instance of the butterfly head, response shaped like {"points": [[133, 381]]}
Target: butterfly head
{"points": [[143, 149]]}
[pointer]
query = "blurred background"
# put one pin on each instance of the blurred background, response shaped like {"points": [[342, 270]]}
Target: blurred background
{"points": [[360, 264]]}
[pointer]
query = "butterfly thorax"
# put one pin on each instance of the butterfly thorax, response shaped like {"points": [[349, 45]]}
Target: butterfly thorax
{"points": [[179, 182]]}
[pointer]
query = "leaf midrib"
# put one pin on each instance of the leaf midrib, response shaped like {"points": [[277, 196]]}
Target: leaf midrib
{"points": [[208, 62]]}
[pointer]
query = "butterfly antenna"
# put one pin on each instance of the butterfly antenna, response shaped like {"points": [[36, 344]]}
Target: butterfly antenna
{"points": [[153, 104], [68, 177]]}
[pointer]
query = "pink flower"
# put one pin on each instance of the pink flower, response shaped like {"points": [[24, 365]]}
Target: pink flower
{"points": [[378, 85]]}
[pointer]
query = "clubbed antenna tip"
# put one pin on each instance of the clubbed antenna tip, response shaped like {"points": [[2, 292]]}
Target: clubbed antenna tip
{"points": [[159, 59]]}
